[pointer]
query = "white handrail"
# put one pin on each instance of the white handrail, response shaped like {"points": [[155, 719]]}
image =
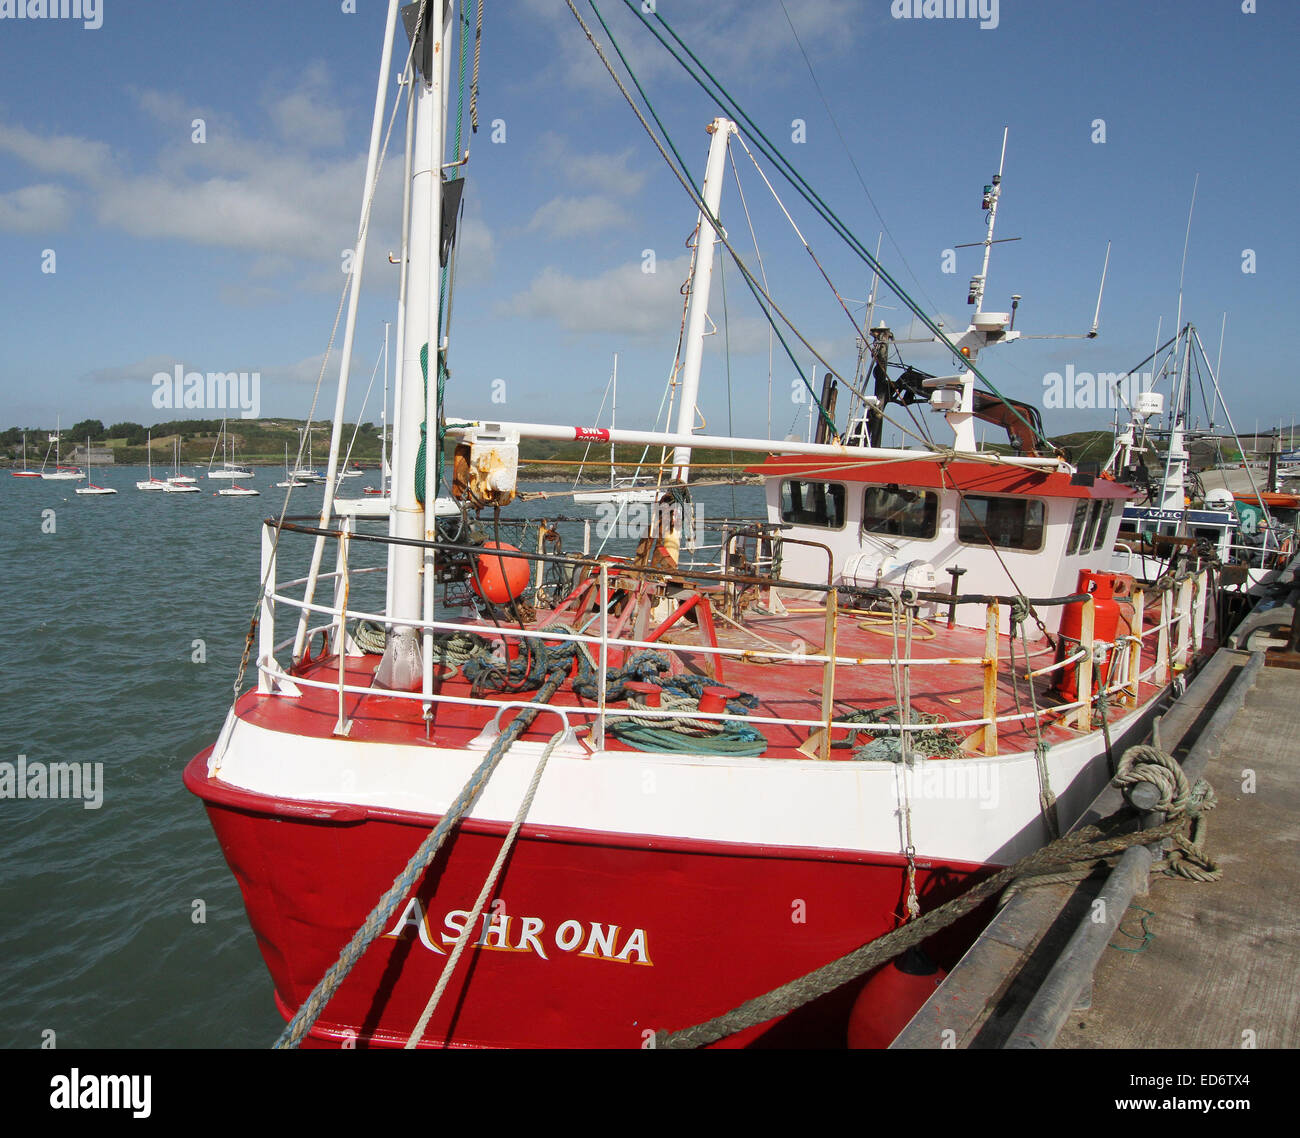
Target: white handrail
{"points": [[1178, 609]]}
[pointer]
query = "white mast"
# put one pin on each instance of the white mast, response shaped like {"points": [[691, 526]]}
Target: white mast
{"points": [[711, 194], [416, 399], [383, 423], [613, 420], [1173, 490], [959, 404], [394, 459], [991, 196]]}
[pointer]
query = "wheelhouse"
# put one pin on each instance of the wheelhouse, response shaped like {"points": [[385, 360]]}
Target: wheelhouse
{"points": [[922, 524]]}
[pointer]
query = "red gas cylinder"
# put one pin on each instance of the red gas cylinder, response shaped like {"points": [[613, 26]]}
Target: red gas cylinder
{"points": [[892, 995], [1105, 626], [500, 579]]}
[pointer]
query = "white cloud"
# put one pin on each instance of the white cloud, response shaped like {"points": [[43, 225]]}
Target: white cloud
{"points": [[278, 196], [57, 154], [623, 300], [35, 209], [571, 216], [610, 173], [730, 36], [305, 116]]}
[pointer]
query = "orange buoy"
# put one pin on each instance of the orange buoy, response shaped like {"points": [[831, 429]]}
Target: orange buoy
{"points": [[500, 579]]}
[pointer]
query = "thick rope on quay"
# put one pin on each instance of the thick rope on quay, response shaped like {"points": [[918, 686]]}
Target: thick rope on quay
{"points": [[1177, 797], [1066, 855], [321, 995]]}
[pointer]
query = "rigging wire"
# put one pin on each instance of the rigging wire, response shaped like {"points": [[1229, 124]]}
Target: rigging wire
{"points": [[770, 151], [682, 172], [852, 161]]}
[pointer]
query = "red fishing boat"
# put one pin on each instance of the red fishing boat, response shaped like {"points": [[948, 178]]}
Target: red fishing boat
{"points": [[540, 799]]}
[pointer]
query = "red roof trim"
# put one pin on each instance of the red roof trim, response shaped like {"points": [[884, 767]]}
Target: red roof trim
{"points": [[968, 477]]}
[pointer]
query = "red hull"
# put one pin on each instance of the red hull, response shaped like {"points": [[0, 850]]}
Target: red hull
{"points": [[629, 934]]}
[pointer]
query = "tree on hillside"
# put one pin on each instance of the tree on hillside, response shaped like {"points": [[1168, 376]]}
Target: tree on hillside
{"points": [[87, 428], [133, 434]]}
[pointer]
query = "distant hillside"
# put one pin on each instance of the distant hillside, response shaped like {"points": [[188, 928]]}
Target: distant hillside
{"points": [[1086, 446], [263, 442]]}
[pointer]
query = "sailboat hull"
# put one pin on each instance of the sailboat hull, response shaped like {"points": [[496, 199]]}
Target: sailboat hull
{"points": [[621, 498]]}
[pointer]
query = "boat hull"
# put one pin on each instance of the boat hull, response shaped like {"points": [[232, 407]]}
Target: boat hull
{"points": [[599, 939]]}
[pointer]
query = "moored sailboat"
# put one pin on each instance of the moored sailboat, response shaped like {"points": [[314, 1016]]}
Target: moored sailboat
{"points": [[90, 488], [150, 482], [179, 483], [60, 473], [25, 472], [228, 467]]}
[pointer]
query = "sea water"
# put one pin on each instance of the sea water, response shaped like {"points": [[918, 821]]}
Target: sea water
{"points": [[124, 623]]}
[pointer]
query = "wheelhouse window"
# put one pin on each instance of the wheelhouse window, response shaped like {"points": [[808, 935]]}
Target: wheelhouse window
{"points": [[1008, 523], [812, 503], [1090, 534], [1107, 509], [897, 511], [1077, 527]]}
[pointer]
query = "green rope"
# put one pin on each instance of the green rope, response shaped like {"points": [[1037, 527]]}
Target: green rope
{"points": [[1147, 935], [738, 742], [419, 454]]}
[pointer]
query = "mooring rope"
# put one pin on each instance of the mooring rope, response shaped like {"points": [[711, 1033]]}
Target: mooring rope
{"points": [[1177, 797], [1087, 845], [489, 885], [324, 991]]}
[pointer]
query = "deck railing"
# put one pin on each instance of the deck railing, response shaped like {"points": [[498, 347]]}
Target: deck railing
{"points": [[1178, 633]]}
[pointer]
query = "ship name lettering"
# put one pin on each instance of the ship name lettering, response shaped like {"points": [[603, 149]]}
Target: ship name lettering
{"points": [[506, 932]]}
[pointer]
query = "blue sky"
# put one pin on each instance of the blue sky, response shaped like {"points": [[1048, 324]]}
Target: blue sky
{"points": [[225, 255]]}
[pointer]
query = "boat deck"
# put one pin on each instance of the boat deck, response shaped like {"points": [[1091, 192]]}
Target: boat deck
{"points": [[952, 688]]}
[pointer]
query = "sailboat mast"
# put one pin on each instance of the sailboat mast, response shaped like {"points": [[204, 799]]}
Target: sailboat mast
{"points": [[711, 194], [613, 421]]}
